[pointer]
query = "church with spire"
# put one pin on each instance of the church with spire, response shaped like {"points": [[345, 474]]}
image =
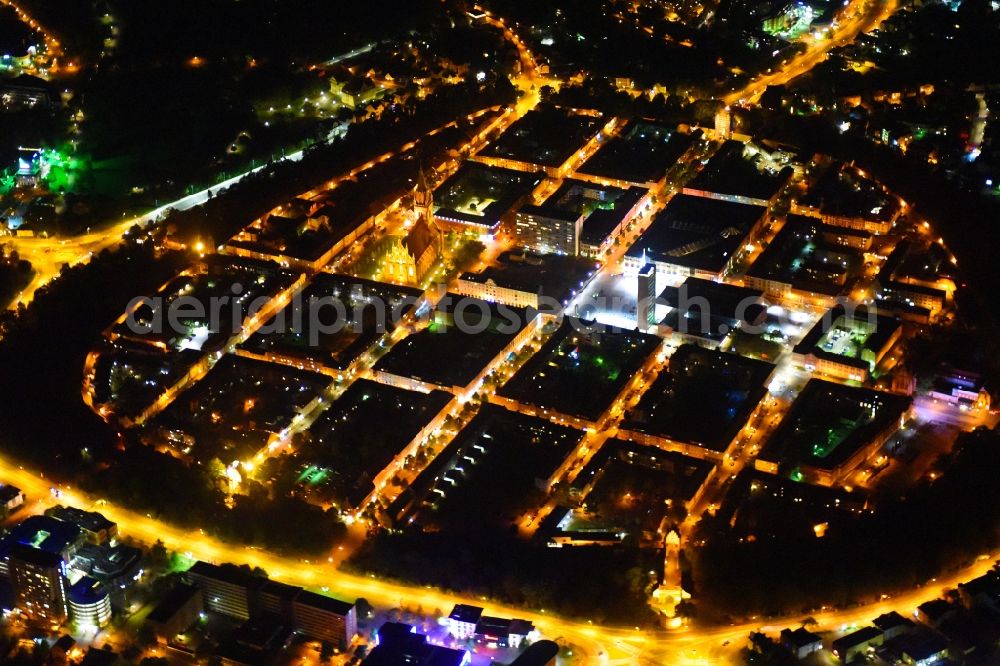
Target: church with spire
{"points": [[412, 255]]}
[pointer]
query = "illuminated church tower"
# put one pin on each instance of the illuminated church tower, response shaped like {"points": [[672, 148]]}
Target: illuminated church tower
{"points": [[411, 256]]}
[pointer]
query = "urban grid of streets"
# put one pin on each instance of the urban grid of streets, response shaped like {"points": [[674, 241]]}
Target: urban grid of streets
{"points": [[599, 645]]}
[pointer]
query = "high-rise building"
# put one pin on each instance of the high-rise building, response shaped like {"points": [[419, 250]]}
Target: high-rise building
{"points": [[646, 296], [39, 583], [549, 229]]}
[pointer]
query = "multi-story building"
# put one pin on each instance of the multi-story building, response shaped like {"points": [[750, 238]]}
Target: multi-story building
{"points": [[549, 229], [463, 620], [324, 618], [11, 499], [646, 312], [39, 582], [236, 593], [176, 612], [95, 527], [467, 622], [226, 589], [89, 603]]}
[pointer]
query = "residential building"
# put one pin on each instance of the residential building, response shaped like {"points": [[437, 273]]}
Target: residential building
{"points": [[11, 499], [89, 603], [226, 589], [39, 582], [176, 612], [324, 618], [936, 612], [467, 622], [857, 642], [463, 620], [893, 624], [801, 642], [234, 592], [95, 527], [549, 229]]}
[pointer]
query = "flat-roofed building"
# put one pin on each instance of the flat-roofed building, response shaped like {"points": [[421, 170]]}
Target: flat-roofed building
{"points": [[89, 603], [324, 618], [857, 642], [698, 237], [549, 229], [95, 527], [545, 282], [233, 592], [848, 344], [737, 174], [227, 589], [39, 583], [176, 612]]}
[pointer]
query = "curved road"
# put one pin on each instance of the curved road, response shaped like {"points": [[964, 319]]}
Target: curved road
{"points": [[860, 16], [594, 644], [598, 644]]}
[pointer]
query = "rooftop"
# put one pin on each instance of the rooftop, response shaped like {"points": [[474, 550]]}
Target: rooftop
{"points": [[828, 423], [89, 521], [641, 153], [42, 533], [546, 137], [855, 638], [555, 276], [634, 485], [481, 194], [736, 170], [798, 255], [176, 598], [448, 355], [697, 233], [399, 645], [323, 602], [857, 336], [232, 283], [702, 397], [8, 492], [466, 613], [239, 405], [493, 470], [579, 371], [800, 637], [842, 191], [361, 432], [347, 318], [891, 620], [602, 221], [710, 309]]}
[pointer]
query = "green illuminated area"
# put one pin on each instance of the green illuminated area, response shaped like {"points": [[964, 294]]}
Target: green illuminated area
{"points": [[56, 169], [829, 423], [313, 476], [862, 336], [7, 181], [835, 436], [849, 337], [358, 436]]}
